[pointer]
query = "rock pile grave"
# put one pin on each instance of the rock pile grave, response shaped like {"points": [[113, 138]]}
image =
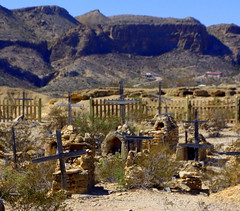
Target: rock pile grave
{"points": [[79, 169]]}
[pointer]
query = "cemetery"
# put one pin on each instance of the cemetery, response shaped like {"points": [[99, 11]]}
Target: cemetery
{"points": [[154, 141]]}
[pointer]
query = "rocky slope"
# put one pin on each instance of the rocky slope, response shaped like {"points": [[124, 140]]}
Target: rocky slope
{"points": [[47, 47]]}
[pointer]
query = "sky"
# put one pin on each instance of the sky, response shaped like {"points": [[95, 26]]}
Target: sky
{"points": [[208, 12]]}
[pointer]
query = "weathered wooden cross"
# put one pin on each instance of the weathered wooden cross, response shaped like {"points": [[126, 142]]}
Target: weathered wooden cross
{"points": [[121, 101], [23, 102], [195, 145], [160, 98], [60, 155], [70, 105], [166, 111]]}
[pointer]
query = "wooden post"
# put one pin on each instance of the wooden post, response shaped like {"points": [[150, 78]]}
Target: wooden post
{"points": [[237, 110], [14, 148], [40, 110], [91, 108], [61, 160], [188, 107], [159, 97]]}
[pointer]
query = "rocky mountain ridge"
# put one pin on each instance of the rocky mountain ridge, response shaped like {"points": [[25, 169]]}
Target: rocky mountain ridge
{"points": [[46, 47]]}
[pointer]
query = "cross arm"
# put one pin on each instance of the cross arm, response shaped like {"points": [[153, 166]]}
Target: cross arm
{"points": [[59, 156], [121, 102], [196, 146]]}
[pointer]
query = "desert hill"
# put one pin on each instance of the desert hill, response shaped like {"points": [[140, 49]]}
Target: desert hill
{"points": [[46, 49]]}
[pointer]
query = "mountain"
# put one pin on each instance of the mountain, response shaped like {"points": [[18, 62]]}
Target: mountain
{"points": [[48, 49]]}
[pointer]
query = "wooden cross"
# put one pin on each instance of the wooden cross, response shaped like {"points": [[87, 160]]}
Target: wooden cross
{"points": [[23, 102], [195, 145], [70, 105], [160, 97], [166, 111], [138, 139], [60, 155], [121, 101]]}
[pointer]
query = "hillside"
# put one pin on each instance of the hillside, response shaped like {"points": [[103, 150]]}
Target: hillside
{"points": [[45, 47]]}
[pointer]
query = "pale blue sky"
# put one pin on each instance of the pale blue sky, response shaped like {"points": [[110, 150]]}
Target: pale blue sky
{"points": [[208, 12]]}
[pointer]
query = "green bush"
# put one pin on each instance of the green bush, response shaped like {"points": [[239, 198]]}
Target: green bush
{"points": [[159, 166], [28, 189], [110, 169], [95, 126]]}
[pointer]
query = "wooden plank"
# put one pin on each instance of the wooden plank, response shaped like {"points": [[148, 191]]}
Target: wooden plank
{"points": [[195, 146]]}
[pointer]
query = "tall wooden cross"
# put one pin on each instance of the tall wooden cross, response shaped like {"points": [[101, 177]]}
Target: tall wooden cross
{"points": [[23, 102], [60, 155], [121, 101], [160, 97], [70, 105], [195, 145]]}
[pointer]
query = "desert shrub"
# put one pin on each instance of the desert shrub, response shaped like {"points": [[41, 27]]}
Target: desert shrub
{"points": [[228, 174], [58, 117], [110, 169], [95, 126], [159, 166], [28, 189]]}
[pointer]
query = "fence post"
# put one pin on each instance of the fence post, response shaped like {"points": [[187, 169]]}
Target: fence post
{"points": [[237, 110], [91, 108], [40, 109], [188, 107]]}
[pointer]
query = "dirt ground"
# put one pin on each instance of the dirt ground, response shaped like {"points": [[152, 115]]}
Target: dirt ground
{"points": [[108, 199]]}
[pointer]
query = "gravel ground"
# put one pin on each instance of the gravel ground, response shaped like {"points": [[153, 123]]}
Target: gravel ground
{"points": [[149, 200]]}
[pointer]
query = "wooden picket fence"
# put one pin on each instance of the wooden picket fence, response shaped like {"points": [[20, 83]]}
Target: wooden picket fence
{"points": [[11, 109], [221, 109]]}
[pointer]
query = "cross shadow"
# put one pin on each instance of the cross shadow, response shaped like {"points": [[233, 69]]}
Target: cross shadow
{"points": [[98, 191]]}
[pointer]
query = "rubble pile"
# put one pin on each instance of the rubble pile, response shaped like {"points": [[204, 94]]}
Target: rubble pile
{"points": [[30, 136], [79, 170], [189, 178], [134, 173]]}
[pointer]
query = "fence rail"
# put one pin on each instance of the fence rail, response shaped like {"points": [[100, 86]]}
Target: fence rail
{"points": [[222, 109], [11, 109]]}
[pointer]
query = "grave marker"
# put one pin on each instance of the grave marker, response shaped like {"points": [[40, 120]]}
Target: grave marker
{"points": [[160, 97], [60, 156], [121, 101], [23, 102], [70, 105], [195, 145]]}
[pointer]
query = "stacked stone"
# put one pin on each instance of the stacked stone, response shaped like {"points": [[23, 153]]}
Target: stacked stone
{"points": [[79, 170], [189, 181], [164, 131], [190, 178], [134, 173]]}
